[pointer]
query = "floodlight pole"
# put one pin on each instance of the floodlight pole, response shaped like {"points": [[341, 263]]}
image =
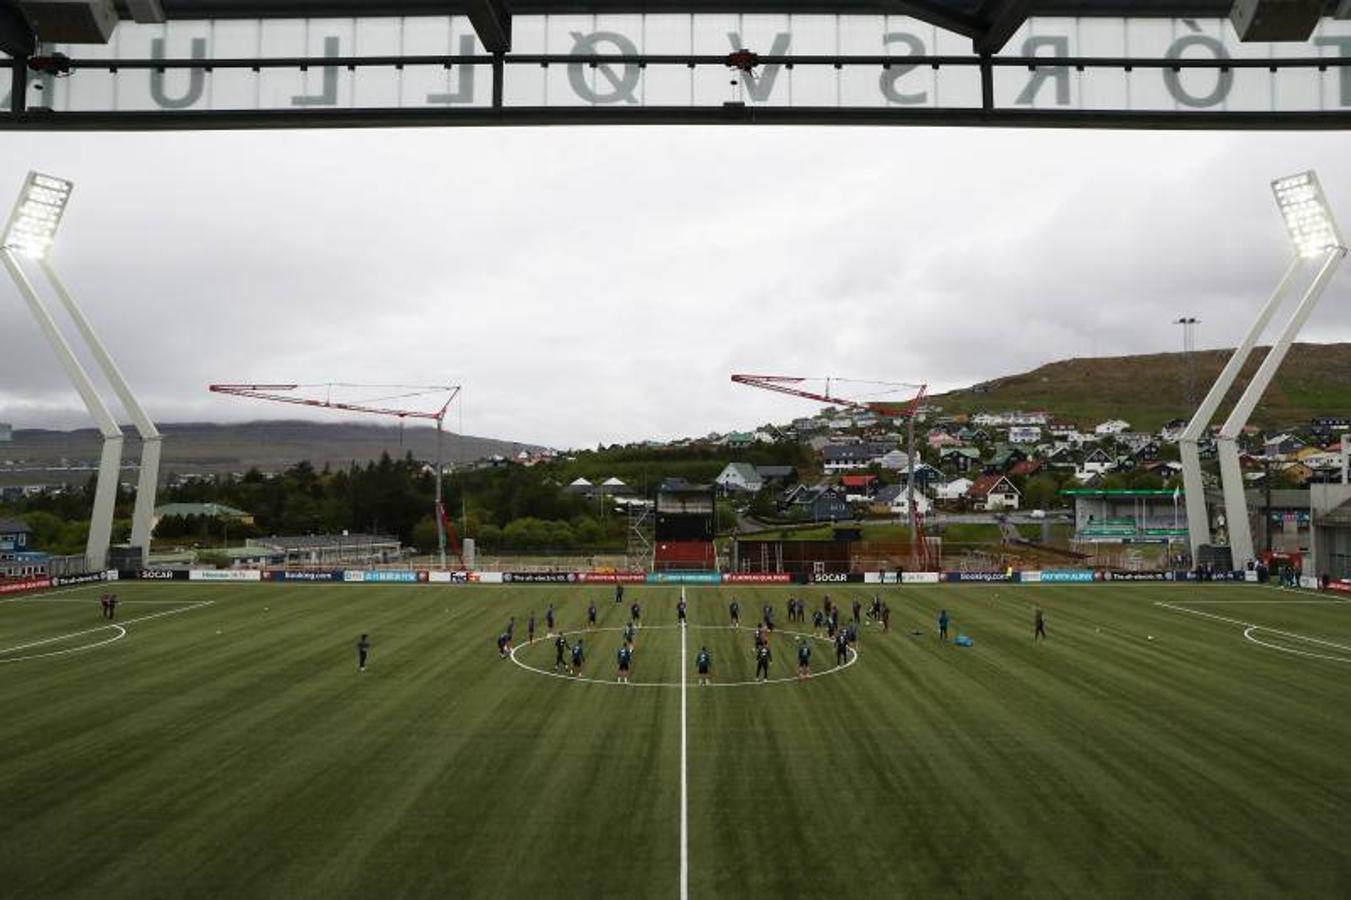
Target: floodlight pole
{"points": [[148, 482], [1198, 518], [105, 491], [1231, 474]]}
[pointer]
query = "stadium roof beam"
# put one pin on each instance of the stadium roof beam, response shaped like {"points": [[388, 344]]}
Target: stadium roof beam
{"points": [[1001, 18], [492, 22], [16, 35]]}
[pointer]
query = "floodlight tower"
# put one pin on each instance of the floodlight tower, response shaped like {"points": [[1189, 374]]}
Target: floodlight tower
{"points": [[1314, 235], [31, 230]]}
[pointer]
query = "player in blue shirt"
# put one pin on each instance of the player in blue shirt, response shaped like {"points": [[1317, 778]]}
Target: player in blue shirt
{"points": [[578, 657], [762, 660], [629, 632], [636, 613], [804, 658], [363, 650], [625, 657], [734, 609], [530, 628], [703, 662], [619, 592], [591, 615], [560, 648], [943, 625], [503, 644], [549, 618], [680, 612]]}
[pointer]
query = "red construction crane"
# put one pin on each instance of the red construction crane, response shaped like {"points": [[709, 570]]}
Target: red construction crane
{"points": [[792, 385], [374, 405]]}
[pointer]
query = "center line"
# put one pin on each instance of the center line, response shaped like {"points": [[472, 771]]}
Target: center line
{"points": [[684, 776]]}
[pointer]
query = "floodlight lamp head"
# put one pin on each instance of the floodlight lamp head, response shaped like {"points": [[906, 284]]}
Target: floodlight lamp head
{"points": [[37, 214], [1308, 219]]}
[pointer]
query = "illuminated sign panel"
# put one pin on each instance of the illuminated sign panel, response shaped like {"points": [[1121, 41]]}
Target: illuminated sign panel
{"points": [[678, 61]]}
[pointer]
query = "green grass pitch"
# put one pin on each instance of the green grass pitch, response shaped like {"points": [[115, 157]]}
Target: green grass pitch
{"points": [[226, 746]]}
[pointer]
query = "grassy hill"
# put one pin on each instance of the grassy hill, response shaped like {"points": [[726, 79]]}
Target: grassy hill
{"points": [[268, 445], [1147, 391]]}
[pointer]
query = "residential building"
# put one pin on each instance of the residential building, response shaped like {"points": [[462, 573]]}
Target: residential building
{"points": [[739, 440], [844, 457], [1282, 445], [6, 432], [1005, 457], [993, 492], [1006, 419], [1112, 426], [895, 460], [953, 490], [777, 475], [960, 459], [15, 535], [1096, 462], [858, 488], [739, 476], [1024, 434], [894, 500]]}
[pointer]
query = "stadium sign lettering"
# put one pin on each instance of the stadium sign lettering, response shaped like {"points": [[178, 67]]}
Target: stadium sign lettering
{"points": [[1067, 576], [829, 577], [624, 80], [86, 578], [31, 584], [539, 577]]}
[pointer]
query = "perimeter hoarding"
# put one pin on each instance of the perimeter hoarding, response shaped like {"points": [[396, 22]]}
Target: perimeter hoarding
{"points": [[435, 64]]}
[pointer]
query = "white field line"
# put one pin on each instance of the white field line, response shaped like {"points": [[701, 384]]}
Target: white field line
{"points": [[121, 633], [1258, 602], [1247, 633], [1253, 626], [684, 774], [117, 625], [583, 679]]}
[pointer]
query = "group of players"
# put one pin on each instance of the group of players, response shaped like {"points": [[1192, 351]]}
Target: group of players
{"points": [[570, 656]]}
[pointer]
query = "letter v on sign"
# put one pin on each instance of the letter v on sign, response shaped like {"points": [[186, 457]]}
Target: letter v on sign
{"points": [[761, 88]]}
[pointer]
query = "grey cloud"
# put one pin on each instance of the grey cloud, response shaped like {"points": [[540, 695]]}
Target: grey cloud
{"points": [[601, 284]]}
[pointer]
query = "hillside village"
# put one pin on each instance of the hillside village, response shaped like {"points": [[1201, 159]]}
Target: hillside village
{"points": [[997, 461]]}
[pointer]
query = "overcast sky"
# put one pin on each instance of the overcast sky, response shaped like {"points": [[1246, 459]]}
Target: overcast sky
{"points": [[599, 285]]}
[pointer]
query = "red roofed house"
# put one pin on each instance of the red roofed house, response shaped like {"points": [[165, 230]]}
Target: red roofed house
{"points": [[858, 486], [993, 492], [1026, 467]]}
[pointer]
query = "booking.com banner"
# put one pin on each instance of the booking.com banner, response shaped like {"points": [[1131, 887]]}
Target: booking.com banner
{"points": [[455, 72]]}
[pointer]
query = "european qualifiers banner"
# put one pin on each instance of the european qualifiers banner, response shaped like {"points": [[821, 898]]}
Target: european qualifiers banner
{"points": [[295, 68]]}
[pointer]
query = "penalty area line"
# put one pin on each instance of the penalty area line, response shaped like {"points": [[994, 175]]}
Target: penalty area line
{"points": [[118, 626]]}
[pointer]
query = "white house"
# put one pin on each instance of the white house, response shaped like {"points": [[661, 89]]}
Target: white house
{"points": [[739, 477], [954, 490], [1112, 426], [895, 460], [896, 500], [1024, 434], [994, 492], [1096, 462]]}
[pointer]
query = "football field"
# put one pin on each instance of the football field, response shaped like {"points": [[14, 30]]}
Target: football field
{"points": [[217, 740]]}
